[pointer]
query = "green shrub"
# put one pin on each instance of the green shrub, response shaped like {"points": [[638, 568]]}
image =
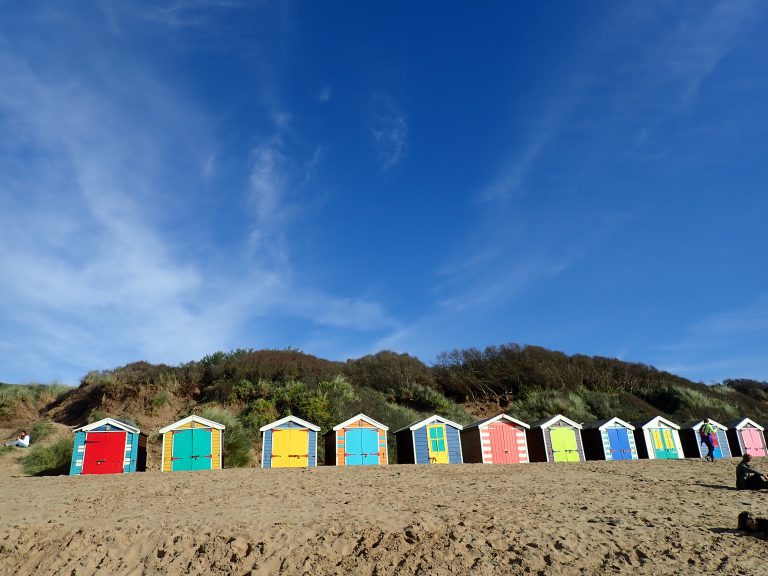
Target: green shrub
{"points": [[41, 430], [237, 439], [50, 460], [161, 399], [259, 413]]}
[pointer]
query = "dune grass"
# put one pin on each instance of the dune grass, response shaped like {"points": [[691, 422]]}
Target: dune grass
{"points": [[52, 460]]}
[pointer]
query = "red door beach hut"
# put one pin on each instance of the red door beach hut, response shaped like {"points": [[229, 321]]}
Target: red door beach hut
{"points": [[359, 441], [611, 439], [555, 440], [432, 441], [192, 443], [108, 447], [747, 436], [289, 443], [497, 440], [658, 438], [693, 447]]}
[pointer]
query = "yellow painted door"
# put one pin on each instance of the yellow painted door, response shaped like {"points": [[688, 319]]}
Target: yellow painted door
{"points": [[281, 442], [438, 446], [298, 456]]}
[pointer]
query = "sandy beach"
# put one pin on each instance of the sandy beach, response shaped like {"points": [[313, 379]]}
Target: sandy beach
{"points": [[646, 517]]}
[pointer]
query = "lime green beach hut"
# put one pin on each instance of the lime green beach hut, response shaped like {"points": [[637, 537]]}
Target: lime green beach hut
{"points": [[555, 440]]}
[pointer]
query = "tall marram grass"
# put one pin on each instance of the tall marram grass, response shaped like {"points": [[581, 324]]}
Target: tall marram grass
{"points": [[49, 460], [237, 439]]}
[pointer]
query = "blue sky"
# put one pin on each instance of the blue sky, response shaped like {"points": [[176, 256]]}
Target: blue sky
{"points": [[184, 177]]}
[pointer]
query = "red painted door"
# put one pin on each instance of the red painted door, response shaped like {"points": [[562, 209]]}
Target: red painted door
{"points": [[104, 453], [503, 443]]}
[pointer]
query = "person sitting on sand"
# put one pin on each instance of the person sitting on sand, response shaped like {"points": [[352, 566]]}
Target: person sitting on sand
{"points": [[747, 478], [22, 440]]}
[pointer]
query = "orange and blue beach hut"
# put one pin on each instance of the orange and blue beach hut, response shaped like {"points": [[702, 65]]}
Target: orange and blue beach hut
{"points": [[359, 441], [746, 435], [435, 440], [192, 443], [497, 440], [108, 447], [289, 443]]}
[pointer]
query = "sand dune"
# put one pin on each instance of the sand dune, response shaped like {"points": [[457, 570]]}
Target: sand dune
{"points": [[645, 517]]}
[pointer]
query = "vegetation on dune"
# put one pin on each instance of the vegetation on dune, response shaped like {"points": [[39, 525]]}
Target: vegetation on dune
{"points": [[246, 389], [14, 398], [51, 460]]}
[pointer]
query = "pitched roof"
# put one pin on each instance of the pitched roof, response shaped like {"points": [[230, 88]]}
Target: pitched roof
{"points": [[110, 422], [487, 421], [360, 416], [193, 418], [647, 423], [435, 418], [600, 424], [699, 423], [547, 423], [739, 424], [294, 419]]}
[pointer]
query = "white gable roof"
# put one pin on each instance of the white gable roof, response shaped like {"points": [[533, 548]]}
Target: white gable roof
{"points": [[197, 419], [700, 423], [484, 423], [613, 421], [111, 422], [294, 419], [652, 423], [430, 420], [562, 418], [363, 417], [748, 422]]}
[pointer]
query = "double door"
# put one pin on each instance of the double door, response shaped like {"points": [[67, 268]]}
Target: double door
{"points": [[753, 441], [663, 443], [618, 440], [290, 448], [564, 446], [361, 447], [504, 443], [191, 449], [104, 453]]}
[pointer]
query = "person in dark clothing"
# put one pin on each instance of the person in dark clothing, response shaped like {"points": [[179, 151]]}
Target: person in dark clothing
{"points": [[747, 478]]}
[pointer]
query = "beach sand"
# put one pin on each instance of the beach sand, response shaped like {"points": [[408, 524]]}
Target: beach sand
{"points": [[646, 517]]}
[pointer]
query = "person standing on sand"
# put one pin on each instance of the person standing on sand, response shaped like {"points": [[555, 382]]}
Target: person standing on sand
{"points": [[708, 439], [747, 478], [22, 440]]}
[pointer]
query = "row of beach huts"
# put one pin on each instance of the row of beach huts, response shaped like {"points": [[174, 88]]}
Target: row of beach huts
{"points": [[110, 446]]}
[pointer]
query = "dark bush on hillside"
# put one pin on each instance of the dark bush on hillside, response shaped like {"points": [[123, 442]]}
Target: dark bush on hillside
{"points": [[388, 372], [237, 439]]}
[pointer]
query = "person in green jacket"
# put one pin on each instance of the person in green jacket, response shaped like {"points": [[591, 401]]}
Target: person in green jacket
{"points": [[708, 432], [747, 478]]}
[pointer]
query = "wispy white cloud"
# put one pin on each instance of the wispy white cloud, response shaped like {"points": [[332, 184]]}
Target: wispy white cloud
{"points": [[325, 94], [389, 131], [692, 51], [93, 275]]}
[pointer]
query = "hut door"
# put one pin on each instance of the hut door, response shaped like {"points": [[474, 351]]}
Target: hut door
{"points": [[438, 446], [361, 447], [618, 439], [663, 443], [503, 443], [753, 442], [104, 453], [564, 445], [290, 447], [716, 441], [201, 449]]}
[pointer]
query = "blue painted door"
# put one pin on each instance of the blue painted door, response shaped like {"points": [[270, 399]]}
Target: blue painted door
{"points": [[361, 447], [618, 439], [191, 450]]}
